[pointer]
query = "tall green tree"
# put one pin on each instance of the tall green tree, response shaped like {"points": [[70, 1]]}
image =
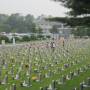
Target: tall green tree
{"points": [[3, 25], [29, 22], [77, 7], [17, 23], [39, 30], [79, 10], [79, 14]]}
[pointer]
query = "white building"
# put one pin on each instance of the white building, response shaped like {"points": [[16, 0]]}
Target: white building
{"points": [[46, 25]]}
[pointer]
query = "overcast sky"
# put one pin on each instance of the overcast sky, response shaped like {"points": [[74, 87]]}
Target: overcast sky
{"points": [[35, 7]]}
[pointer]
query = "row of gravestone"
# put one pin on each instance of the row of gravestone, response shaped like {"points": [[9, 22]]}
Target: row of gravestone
{"points": [[16, 75], [53, 85], [50, 73], [5, 66], [84, 85]]}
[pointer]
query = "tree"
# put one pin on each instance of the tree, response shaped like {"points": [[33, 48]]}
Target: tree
{"points": [[80, 31], [3, 18], [3, 26], [77, 7], [29, 22], [79, 13], [39, 30], [25, 38], [17, 23], [79, 10], [2, 37]]}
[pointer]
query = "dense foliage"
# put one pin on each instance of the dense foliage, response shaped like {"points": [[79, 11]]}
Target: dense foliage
{"points": [[24, 38], [78, 15], [17, 23]]}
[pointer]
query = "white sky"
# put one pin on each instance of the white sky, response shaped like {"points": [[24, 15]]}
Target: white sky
{"points": [[35, 7]]}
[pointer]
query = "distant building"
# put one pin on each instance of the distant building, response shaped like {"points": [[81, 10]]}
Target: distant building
{"points": [[46, 25]]}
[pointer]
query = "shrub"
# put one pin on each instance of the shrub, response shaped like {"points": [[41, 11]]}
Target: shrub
{"points": [[33, 37], [25, 38], [17, 39], [3, 37], [41, 37], [48, 37]]}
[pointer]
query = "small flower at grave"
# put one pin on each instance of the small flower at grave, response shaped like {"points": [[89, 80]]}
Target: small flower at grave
{"points": [[34, 78]]}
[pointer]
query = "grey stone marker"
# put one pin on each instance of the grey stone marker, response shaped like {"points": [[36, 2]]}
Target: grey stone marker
{"points": [[75, 89], [46, 75], [75, 73], [49, 73], [41, 88], [14, 87], [11, 71], [78, 71], [29, 81], [81, 70], [45, 88], [68, 77], [63, 79], [0, 71], [5, 81], [54, 84], [5, 66], [24, 83], [17, 76], [6, 78], [14, 41], [50, 87], [40, 76], [88, 81], [71, 74], [81, 86]]}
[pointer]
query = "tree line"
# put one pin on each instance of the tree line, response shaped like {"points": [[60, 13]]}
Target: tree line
{"points": [[17, 23], [24, 38]]}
